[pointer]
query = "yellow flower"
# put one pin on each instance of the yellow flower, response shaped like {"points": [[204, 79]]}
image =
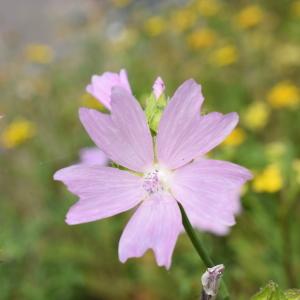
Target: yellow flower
{"points": [[39, 53], [270, 180], [225, 56], [201, 38], [283, 94], [236, 137], [183, 19], [295, 8], [208, 8], [155, 25], [121, 3], [89, 101], [256, 115], [17, 133], [250, 16]]}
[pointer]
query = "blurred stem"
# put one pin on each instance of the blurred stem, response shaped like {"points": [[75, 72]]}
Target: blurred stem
{"points": [[200, 248], [288, 206]]}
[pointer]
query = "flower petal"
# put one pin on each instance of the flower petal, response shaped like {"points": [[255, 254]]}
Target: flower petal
{"points": [[158, 87], [124, 80], [208, 191], [101, 86], [206, 224], [103, 191], [93, 156], [155, 225], [183, 134], [123, 136]]}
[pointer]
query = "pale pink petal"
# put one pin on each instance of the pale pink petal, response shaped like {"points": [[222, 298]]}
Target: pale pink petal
{"points": [[155, 225], [158, 87], [124, 136], [214, 128], [183, 134], [124, 80], [93, 156], [101, 86], [208, 190], [102, 191], [218, 228]]}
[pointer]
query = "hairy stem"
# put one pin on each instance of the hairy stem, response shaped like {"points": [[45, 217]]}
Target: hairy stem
{"points": [[200, 248]]}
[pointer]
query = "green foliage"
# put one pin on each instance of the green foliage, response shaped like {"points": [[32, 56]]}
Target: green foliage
{"points": [[292, 294], [43, 258], [272, 292]]}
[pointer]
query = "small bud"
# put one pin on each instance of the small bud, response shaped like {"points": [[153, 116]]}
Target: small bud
{"points": [[158, 87], [154, 109], [211, 281]]}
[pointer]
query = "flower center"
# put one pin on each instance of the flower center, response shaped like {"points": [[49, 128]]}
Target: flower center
{"points": [[156, 180]]}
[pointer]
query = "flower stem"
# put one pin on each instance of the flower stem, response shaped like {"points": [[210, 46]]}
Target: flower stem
{"points": [[200, 249]]}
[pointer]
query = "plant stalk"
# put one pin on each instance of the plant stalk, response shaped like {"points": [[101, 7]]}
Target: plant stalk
{"points": [[200, 248]]}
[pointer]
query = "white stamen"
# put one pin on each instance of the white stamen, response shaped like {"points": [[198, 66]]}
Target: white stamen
{"points": [[157, 180]]}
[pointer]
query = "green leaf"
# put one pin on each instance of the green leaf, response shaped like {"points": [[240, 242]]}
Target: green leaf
{"points": [[270, 292], [292, 294]]}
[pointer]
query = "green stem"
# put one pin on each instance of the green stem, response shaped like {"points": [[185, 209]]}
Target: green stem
{"points": [[200, 249], [288, 207]]}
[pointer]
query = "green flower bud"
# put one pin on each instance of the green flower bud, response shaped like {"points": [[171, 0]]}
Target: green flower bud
{"points": [[154, 109]]}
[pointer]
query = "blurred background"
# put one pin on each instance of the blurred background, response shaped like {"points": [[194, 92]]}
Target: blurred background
{"points": [[246, 55]]}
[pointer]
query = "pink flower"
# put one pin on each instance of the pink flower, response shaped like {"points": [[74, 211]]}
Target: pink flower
{"points": [[93, 156], [101, 86], [158, 87], [174, 169]]}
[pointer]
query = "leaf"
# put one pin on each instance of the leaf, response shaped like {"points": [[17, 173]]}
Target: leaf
{"points": [[270, 292], [293, 294]]}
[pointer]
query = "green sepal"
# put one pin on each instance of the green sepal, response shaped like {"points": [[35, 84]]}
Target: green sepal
{"points": [[154, 109]]}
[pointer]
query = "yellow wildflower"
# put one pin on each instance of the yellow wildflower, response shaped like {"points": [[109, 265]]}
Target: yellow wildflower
{"points": [[208, 8], [121, 3], [17, 132], [236, 137], [250, 16], [295, 8], [89, 101], [284, 94], [201, 38], [270, 180], [155, 25], [256, 115], [225, 56], [39, 53], [183, 19]]}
